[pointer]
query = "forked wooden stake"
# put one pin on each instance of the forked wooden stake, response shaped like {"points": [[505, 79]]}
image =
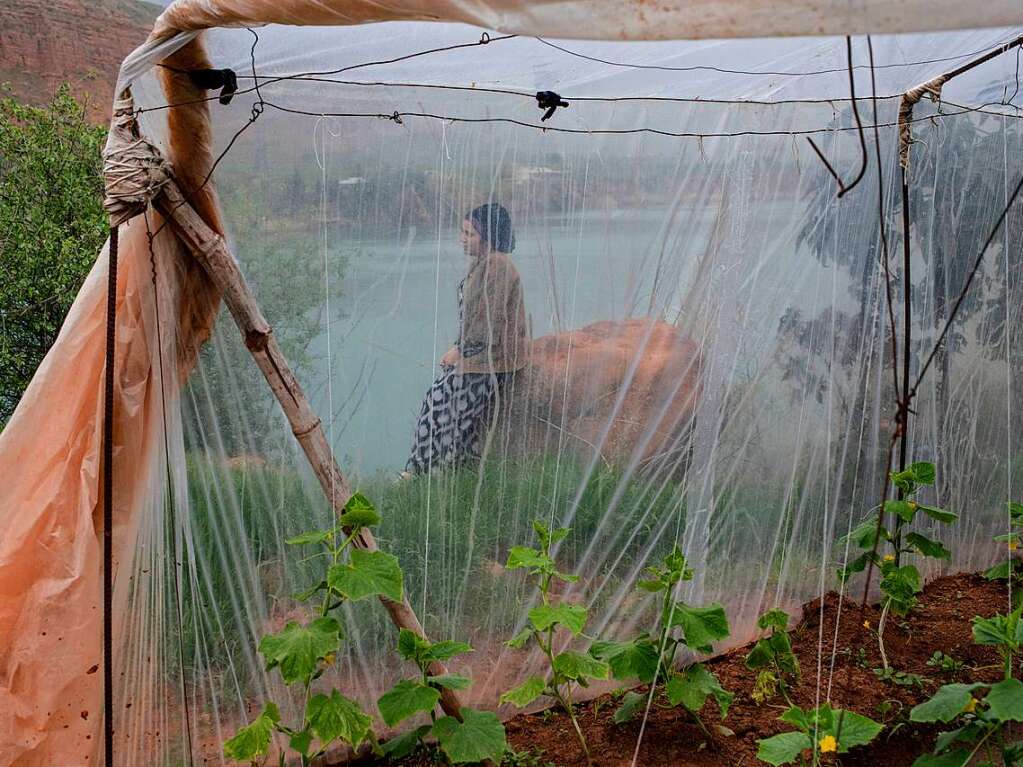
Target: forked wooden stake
{"points": [[211, 251]]}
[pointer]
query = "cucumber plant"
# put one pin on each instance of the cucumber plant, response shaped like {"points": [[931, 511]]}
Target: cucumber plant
{"points": [[547, 620], [817, 732], [478, 736], [302, 652], [984, 723], [1009, 570], [651, 656], [900, 583], [946, 664], [773, 658]]}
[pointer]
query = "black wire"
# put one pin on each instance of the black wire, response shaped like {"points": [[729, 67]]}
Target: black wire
{"points": [[882, 222], [983, 108], [856, 114], [1008, 101], [108, 502], [397, 117], [319, 76], [261, 103], [606, 99], [698, 67], [842, 188], [255, 77], [485, 39], [890, 301]]}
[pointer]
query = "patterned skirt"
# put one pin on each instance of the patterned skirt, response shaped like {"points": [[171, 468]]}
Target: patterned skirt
{"points": [[453, 421]]}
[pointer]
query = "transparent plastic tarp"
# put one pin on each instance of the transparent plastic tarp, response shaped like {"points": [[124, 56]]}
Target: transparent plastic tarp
{"points": [[710, 357]]}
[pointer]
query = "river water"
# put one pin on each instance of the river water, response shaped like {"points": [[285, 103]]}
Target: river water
{"points": [[398, 314]]}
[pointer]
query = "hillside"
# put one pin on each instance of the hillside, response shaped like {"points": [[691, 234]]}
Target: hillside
{"points": [[44, 43]]}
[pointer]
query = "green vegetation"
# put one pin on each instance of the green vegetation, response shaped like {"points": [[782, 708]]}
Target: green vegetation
{"points": [[302, 652], [647, 657], [1009, 570], [526, 759], [983, 725], [478, 736], [899, 583], [651, 655], [566, 668], [286, 276], [947, 664], [899, 678], [49, 240], [773, 658], [817, 732], [458, 522]]}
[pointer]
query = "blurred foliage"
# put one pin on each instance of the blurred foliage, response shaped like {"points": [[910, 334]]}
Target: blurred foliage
{"points": [[52, 226], [841, 355], [286, 269], [450, 531]]}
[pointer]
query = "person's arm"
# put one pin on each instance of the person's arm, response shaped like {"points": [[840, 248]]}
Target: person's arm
{"points": [[451, 357]]}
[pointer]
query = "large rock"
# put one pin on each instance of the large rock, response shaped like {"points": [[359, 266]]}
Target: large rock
{"points": [[625, 389]]}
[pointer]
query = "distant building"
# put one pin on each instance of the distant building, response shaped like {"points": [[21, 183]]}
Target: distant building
{"points": [[522, 173]]}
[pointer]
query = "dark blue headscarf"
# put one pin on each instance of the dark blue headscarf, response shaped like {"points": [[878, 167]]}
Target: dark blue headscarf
{"points": [[494, 225]]}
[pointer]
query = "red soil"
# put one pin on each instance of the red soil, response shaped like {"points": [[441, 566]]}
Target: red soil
{"points": [[941, 621]]}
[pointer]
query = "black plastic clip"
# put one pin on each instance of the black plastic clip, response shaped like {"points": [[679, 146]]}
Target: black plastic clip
{"points": [[211, 79], [550, 101]]}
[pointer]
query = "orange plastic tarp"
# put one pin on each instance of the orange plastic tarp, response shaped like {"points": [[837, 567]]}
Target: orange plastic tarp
{"points": [[612, 19], [51, 504]]}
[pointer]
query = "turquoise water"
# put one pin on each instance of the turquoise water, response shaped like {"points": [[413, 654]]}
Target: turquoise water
{"points": [[399, 314]]}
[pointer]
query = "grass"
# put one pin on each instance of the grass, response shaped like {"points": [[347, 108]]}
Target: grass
{"points": [[450, 530]]}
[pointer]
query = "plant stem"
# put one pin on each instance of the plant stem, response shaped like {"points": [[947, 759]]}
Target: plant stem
{"points": [[564, 700], [702, 725], [880, 633], [979, 744], [335, 553], [781, 680], [566, 703], [897, 538]]}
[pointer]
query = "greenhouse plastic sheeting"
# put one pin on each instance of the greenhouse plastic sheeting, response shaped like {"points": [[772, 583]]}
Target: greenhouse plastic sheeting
{"points": [[709, 348], [610, 19], [51, 528]]}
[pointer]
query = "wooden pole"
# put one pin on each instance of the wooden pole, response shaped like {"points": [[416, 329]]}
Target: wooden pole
{"points": [[211, 251]]}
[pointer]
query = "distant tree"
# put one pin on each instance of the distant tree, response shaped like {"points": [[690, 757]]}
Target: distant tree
{"points": [[230, 405], [957, 188], [52, 225]]}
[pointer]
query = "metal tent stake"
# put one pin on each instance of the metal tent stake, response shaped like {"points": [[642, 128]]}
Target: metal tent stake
{"points": [[212, 253]]}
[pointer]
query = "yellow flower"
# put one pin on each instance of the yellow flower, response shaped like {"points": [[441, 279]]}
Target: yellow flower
{"points": [[866, 625], [329, 659], [828, 744], [971, 706], [911, 504], [889, 557], [1013, 545]]}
